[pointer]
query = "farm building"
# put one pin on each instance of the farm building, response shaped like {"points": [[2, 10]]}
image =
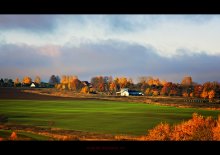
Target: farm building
{"points": [[33, 85], [127, 92]]}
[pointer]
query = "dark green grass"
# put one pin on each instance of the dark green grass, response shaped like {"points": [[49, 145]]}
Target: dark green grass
{"points": [[109, 117]]}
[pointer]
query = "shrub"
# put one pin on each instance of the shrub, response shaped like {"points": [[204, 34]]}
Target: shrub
{"points": [[13, 136], [216, 130], [160, 133], [196, 129]]}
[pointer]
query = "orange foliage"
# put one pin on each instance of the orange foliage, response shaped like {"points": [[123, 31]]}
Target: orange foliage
{"points": [[152, 81], [58, 86], [197, 128], [173, 92], [160, 133], [185, 94], [191, 94], [37, 80], [163, 82], [216, 130], [155, 93], [101, 87], [211, 94], [13, 136], [122, 81], [65, 79], [16, 81], [27, 80], [187, 80], [204, 94], [148, 91], [85, 90], [112, 86]]}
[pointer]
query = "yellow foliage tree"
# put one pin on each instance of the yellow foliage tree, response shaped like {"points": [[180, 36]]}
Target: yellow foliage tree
{"points": [[155, 92], [85, 90], [163, 82], [58, 86], [122, 82], [147, 91], [65, 79]]}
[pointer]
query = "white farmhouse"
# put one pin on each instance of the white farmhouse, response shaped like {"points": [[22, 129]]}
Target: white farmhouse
{"points": [[32, 85], [123, 92], [126, 92]]}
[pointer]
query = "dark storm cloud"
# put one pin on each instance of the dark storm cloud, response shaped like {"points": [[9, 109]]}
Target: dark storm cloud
{"points": [[24, 56], [110, 57], [107, 56], [121, 58], [33, 23]]}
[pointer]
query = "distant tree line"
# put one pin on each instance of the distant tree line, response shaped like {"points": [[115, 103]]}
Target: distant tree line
{"points": [[26, 82], [108, 85]]}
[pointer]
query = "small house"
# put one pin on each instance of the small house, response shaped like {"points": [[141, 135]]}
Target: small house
{"points": [[33, 85]]}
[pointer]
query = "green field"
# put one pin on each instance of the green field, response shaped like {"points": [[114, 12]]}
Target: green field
{"points": [[108, 117]]}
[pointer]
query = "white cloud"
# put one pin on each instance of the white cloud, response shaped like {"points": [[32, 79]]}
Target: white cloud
{"points": [[167, 33]]}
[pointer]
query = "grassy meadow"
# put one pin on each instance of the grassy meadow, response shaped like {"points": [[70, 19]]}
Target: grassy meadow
{"points": [[107, 117]]}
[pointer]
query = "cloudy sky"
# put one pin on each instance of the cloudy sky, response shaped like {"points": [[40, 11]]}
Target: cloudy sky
{"points": [[165, 46]]}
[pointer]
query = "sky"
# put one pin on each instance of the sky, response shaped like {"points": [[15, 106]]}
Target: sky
{"points": [[167, 47]]}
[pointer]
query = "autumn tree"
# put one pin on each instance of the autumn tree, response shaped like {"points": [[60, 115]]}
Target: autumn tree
{"points": [[85, 89], [211, 95], [213, 88], [148, 92], [142, 79], [122, 81], [173, 92], [197, 90], [163, 82], [17, 82], [187, 81], [112, 87], [166, 89], [98, 83], [204, 94], [102, 83], [76, 84], [185, 94], [27, 80], [155, 92], [37, 80], [65, 79]]}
